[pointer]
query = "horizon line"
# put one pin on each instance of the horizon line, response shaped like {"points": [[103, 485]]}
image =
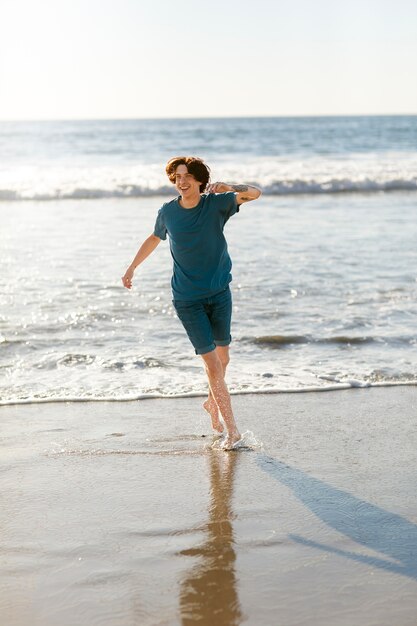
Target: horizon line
{"points": [[207, 117]]}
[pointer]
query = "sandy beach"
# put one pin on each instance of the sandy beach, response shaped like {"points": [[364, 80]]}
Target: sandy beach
{"points": [[123, 514]]}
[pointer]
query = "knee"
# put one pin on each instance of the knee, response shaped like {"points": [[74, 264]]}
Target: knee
{"points": [[225, 361], [213, 367], [223, 354]]}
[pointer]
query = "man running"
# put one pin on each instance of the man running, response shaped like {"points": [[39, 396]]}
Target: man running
{"points": [[194, 222]]}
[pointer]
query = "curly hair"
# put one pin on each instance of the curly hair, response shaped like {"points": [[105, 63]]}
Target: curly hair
{"points": [[195, 166]]}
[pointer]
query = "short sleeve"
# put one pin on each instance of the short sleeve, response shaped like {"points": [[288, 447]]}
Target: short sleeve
{"points": [[227, 203], [160, 228]]}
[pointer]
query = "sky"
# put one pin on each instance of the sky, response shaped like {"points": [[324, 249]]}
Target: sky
{"points": [[110, 59]]}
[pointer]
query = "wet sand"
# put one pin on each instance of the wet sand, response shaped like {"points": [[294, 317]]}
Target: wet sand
{"points": [[122, 513]]}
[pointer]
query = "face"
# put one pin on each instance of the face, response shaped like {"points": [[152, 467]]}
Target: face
{"points": [[185, 182]]}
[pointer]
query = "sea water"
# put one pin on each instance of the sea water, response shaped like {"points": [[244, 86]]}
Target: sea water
{"points": [[324, 263]]}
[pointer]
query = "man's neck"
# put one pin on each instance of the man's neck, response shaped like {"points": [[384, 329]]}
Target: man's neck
{"points": [[190, 203]]}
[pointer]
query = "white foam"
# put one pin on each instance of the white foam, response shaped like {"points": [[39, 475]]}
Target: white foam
{"points": [[247, 441], [353, 383], [276, 176]]}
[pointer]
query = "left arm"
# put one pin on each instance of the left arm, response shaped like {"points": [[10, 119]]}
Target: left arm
{"points": [[244, 193]]}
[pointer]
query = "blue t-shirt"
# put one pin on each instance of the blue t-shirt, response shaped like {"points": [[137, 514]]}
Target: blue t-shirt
{"points": [[202, 264]]}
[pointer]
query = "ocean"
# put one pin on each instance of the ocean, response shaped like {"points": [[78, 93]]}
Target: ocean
{"points": [[324, 263]]}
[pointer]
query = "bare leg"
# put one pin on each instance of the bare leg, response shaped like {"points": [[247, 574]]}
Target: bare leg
{"points": [[210, 404], [218, 387]]}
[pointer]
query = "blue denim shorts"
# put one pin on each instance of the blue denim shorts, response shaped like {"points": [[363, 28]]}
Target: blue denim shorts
{"points": [[207, 321]]}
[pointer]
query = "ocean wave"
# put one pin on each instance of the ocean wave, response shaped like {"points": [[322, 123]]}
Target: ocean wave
{"points": [[277, 341], [274, 188], [340, 384]]}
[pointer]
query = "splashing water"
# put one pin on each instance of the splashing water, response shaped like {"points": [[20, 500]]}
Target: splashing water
{"points": [[247, 441]]}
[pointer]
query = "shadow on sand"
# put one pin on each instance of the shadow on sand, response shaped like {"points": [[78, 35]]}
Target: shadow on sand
{"points": [[389, 534]]}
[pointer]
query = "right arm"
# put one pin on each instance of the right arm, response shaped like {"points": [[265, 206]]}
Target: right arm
{"points": [[144, 251]]}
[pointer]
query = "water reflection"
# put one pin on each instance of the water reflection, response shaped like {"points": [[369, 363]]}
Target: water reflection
{"points": [[208, 594]]}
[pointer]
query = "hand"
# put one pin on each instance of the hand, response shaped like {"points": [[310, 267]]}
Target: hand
{"points": [[217, 188], [127, 278]]}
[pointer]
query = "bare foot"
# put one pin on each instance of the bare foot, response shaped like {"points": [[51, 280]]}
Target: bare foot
{"points": [[213, 410], [231, 439]]}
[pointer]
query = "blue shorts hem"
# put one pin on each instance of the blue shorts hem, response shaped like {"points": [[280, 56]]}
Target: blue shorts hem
{"points": [[206, 349], [223, 342]]}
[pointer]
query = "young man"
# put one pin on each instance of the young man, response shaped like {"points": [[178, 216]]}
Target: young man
{"points": [[194, 222]]}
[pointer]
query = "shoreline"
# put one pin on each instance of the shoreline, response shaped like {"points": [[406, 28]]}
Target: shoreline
{"points": [[353, 384]]}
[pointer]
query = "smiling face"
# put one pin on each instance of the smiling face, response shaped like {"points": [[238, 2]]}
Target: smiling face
{"points": [[185, 182]]}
